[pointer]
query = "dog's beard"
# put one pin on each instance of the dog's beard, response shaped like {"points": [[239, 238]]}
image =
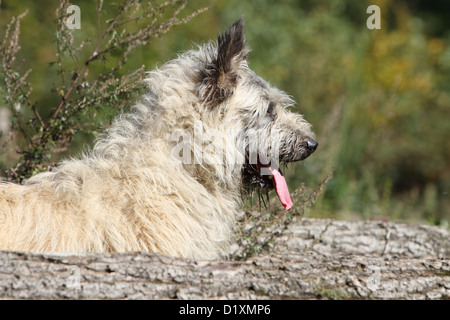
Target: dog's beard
{"points": [[265, 177]]}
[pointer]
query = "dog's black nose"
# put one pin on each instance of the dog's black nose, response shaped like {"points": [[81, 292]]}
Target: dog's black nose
{"points": [[312, 145]]}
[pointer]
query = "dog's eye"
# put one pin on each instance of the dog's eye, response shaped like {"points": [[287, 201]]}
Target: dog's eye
{"points": [[271, 110]]}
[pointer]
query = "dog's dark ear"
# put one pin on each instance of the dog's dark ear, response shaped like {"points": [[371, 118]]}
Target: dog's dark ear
{"points": [[220, 76]]}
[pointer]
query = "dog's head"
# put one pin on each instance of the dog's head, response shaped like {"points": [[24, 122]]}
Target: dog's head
{"points": [[270, 134]]}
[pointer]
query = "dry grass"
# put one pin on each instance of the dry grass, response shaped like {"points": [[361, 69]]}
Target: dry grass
{"points": [[263, 222]]}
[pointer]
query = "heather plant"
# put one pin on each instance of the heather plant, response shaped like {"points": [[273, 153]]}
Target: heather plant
{"points": [[82, 89]]}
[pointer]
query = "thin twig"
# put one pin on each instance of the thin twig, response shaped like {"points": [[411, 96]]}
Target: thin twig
{"points": [[387, 239], [93, 56], [319, 238]]}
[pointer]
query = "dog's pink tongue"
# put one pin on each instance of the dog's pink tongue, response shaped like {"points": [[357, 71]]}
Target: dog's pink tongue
{"points": [[281, 189]]}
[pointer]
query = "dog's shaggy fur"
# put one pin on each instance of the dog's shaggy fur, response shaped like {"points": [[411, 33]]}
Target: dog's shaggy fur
{"points": [[133, 191]]}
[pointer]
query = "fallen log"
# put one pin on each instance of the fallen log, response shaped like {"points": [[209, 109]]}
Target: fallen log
{"points": [[312, 259]]}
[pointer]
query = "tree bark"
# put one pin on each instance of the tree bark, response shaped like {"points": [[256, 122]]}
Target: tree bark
{"points": [[313, 259]]}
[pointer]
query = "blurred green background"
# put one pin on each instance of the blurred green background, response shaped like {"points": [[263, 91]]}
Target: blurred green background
{"points": [[379, 100]]}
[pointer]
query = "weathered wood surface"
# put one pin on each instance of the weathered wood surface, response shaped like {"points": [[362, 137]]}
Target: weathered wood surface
{"points": [[357, 260]]}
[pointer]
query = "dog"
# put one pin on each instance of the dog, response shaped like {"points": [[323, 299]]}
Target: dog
{"points": [[167, 177]]}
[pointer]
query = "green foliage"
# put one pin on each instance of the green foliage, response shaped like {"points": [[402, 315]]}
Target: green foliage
{"points": [[378, 100]]}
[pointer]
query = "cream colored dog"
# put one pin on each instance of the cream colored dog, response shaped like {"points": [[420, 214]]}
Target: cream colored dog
{"points": [[166, 177]]}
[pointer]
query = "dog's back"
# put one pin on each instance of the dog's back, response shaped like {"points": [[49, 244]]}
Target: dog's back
{"points": [[49, 213], [89, 206]]}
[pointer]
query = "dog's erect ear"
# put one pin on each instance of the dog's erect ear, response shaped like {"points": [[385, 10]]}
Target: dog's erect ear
{"points": [[219, 79], [230, 53]]}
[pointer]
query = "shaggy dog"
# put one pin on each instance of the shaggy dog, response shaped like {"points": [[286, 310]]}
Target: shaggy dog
{"points": [[166, 177]]}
